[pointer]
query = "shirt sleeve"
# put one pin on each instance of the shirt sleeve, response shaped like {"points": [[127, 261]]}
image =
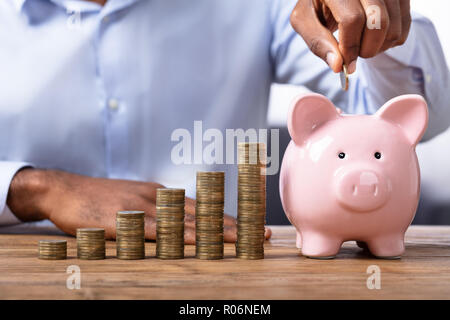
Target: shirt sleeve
{"points": [[294, 63], [418, 66], [7, 171]]}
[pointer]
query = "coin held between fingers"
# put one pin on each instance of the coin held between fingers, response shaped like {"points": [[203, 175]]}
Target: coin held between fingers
{"points": [[344, 78]]}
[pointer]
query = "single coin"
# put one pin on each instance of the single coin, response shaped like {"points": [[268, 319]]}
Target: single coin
{"points": [[344, 78]]}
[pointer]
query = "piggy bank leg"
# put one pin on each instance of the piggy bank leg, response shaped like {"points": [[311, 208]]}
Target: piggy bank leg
{"points": [[298, 242], [387, 247], [318, 246]]}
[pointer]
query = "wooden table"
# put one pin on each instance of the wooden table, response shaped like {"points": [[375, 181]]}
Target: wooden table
{"points": [[423, 272]]}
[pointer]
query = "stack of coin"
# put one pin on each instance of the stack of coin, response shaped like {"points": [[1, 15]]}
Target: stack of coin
{"points": [[169, 223], [52, 249], [209, 215], [130, 235], [91, 243], [251, 201]]}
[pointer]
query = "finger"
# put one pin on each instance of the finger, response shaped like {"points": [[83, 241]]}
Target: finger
{"points": [[267, 233], [319, 39], [376, 27], [190, 213], [150, 228], [351, 20], [152, 189], [189, 210], [189, 235], [405, 12], [110, 228], [147, 190], [229, 221], [189, 207], [189, 220], [394, 31], [149, 209], [229, 234], [150, 231]]}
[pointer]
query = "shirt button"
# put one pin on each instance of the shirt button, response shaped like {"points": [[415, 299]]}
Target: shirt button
{"points": [[428, 78], [113, 104], [105, 19]]}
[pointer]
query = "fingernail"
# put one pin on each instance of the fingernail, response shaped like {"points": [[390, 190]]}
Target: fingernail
{"points": [[331, 58], [351, 67]]}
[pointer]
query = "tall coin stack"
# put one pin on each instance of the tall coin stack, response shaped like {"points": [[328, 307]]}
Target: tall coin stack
{"points": [[52, 249], [130, 235], [251, 201], [209, 215], [169, 223], [91, 243]]}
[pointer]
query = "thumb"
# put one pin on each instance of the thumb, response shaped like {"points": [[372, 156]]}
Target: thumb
{"points": [[319, 39]]}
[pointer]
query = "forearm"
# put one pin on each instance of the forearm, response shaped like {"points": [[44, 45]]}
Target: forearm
{"points": [[27, 194]]}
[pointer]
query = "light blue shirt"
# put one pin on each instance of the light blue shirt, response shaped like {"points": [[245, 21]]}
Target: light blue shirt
{"points": [[99, 90]]}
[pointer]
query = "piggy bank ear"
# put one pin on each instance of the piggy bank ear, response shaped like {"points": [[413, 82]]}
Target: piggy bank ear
{"points": [[307, 113], [409, 112]]}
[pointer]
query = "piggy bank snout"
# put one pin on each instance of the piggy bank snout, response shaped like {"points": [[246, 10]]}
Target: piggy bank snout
{"points": [[361, 190]]}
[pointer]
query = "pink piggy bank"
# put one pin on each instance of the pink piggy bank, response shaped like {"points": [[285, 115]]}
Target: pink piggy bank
{"points": [[352, 177]]}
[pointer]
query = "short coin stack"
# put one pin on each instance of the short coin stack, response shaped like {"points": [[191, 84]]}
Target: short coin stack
{"points": [[91, 243], [209, 215], [130, 235], [169, 223], [251, 200], [52, 249]]}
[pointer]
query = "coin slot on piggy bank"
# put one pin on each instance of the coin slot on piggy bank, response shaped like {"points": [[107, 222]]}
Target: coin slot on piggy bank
{"points": [[352, 177]]}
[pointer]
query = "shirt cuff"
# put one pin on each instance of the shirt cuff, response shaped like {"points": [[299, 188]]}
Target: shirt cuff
{"points": [[7, 171]]}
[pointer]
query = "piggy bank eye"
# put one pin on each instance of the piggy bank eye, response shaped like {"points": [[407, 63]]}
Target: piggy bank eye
{"points": [[341, 155], [377, 155]]}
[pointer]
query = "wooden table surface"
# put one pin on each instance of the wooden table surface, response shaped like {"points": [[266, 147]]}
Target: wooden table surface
{"points": [[423, 272]]}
